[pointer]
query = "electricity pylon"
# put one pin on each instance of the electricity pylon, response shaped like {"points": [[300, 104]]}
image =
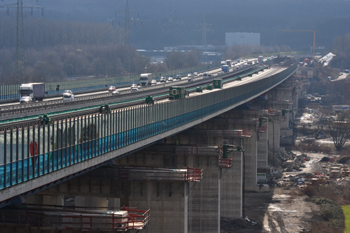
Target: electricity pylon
{"points": [[20, 51], [205, 29], [127, 20]]}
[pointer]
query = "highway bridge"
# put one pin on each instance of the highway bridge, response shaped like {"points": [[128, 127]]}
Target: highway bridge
{"points": [[37, 155]]}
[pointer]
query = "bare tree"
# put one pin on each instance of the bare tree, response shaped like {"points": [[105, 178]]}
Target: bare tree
{"points": [[339, 129]]}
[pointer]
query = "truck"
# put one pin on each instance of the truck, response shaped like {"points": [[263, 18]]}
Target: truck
{"points": [[228, 62], [36, 91], [224, 68], [260, 59], [146, 79], [223, 63]]}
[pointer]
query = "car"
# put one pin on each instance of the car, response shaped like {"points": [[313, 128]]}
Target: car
{"points": [[25, 100], [195, 74], [170, 79], [221, 72], [134, 89], [115, 92], [177, 77], [111, 88], [162, 79], [134, 85], [68, 95], [154, 82], [206, 74]]}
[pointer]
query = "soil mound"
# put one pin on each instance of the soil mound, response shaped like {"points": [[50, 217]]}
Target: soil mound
{"points": [[344, 160], [325, 160]]}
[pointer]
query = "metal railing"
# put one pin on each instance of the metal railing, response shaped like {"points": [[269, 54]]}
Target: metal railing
{"points": [[78, 219], [193, 174], [225, 162], [132, 173], [12, 110]]}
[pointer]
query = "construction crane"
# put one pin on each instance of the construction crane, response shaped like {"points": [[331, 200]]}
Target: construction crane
{"points": [[304, 31]]}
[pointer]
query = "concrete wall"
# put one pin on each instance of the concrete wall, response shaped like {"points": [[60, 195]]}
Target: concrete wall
{"points": [[274, 133], [168, 202], [231, 188], [204, 198], [246, 120], [263, 138]]}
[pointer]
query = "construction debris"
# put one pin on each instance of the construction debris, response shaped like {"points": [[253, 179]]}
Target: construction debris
{"points": [[240, 223], [287, 161]]}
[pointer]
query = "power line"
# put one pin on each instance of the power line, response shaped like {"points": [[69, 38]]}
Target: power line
{"points": [[126, 41], [135, 18], [20, 50], [205, 29]]}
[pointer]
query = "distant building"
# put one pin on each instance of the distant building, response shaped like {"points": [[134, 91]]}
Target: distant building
{"points": [[242, 38], [340, 108]]}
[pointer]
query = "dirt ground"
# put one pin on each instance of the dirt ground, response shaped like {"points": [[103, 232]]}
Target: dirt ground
{"points": [[280, 210]]}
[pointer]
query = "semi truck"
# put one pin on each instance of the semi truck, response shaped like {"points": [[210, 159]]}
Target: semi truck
{"points": [[146, 79], [36, 91], [225, 68]]}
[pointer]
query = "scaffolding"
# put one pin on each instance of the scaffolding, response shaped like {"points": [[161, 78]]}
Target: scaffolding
{"points": [[161, 174], [197, 150], [225, 162], [261, 129], [221, 133], [83, 220], [230, 133]]}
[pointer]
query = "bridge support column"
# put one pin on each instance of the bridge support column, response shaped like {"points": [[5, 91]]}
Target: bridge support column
{"points": [[262, 158], [274, 134], [231, 188], [94, 203], [219, 131], [168, 202], [246, 121], [49, 199], [113, 203]]}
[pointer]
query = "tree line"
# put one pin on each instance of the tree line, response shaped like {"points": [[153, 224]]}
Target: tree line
{"points": [[74, 61], [341, 48]]}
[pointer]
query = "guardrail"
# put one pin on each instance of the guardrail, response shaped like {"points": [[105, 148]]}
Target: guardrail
{"points": [[108, 98], [10, 92], [81, 101]]}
